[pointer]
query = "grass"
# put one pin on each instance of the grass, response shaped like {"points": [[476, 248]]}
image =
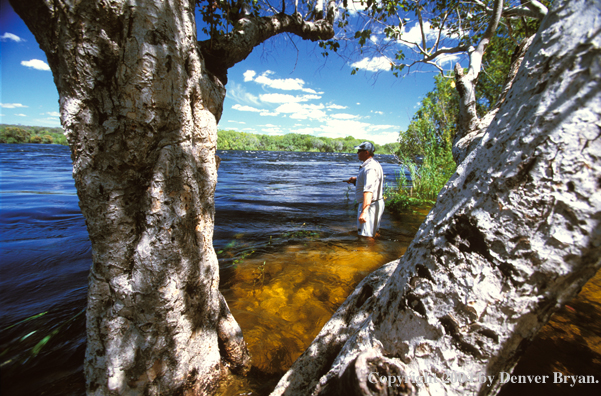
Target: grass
{"points": [[426, 181]]}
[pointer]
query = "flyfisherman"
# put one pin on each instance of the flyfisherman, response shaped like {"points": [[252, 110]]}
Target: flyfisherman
{"points": [[369, 185]]}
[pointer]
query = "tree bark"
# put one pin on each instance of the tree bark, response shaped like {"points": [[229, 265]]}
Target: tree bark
{"points": [[141, 112], [514, 235], [140, 109], [470, 138], [466, 82]]}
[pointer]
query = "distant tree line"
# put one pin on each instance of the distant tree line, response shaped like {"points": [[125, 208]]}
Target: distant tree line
{"points": [[31, 134], [226, 140], [234, 140]]}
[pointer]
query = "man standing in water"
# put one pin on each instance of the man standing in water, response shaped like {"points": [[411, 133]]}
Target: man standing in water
{"points": [[369, 191]]}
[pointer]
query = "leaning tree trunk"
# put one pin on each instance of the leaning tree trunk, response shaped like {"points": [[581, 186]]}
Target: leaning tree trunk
{"points": [[140, 112], [513, 236]]}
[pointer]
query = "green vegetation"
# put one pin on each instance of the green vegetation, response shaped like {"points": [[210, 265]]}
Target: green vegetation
{"points": [[233, 140], [31, 134], [226, 140], [425, 149]]}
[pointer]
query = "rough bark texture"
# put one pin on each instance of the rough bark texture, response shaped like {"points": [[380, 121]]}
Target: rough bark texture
{"points": [[140, 111], [465, 141], [514, 235]]}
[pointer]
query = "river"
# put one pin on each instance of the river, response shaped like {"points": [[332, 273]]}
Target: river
{"points": [[284, 233]]}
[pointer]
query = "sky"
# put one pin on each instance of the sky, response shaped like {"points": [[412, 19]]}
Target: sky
{"points": [[282, 87]]}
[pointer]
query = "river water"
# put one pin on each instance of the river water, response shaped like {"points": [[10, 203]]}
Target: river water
{"points": [[288, 254], [283, 232]]}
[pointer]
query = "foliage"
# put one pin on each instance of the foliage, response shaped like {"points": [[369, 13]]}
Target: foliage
{"points": [[496, 61], [434, 124], [219, 17], [408, 33], [233, 140], [31, 134], [425, 149]]}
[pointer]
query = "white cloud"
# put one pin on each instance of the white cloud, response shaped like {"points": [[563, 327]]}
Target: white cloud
{"points": [[245, 108], [287, 84], [380, 134], [21, 115], [272, 131], [237, 93], [414, 34], [268, 113], [344, 116], [384, 137], [379, 63], [9, 36], [53, 113], [355, 7], [11, 105], [285, 98], [47, 121], [299, 111], [335, 106], [341, 128], [236, 122], [36, 64], [304, 131], [447, 58], [380, 127], [377, 112], [249, 75]]}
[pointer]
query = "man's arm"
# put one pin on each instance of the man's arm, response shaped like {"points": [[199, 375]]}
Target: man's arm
{"points": [[367, 195]]}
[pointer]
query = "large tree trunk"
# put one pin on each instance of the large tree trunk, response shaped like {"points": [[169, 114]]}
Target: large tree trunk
{"points": [[140, 108], [140, 111], [514, 235]]}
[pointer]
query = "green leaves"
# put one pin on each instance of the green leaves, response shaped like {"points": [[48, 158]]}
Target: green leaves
{"points": [[363, 36], [332, 45], [435, 122]]}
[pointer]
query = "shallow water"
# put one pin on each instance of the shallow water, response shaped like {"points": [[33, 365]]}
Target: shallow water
{"points": [[287, 252]]}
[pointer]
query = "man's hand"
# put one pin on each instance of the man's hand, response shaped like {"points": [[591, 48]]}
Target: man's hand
{"points": [[351, 180], [362, 217], [367, 196]]}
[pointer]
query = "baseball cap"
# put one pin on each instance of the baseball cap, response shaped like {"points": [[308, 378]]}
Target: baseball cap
{"points": [[366, 146]]}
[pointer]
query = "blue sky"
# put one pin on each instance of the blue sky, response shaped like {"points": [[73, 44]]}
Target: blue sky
{"points": [[280, 88]]}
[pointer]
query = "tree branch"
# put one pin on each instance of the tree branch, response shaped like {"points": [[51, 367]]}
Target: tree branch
{"points": [[529, 8], [223, 52], [536, 7], [421, 28]]}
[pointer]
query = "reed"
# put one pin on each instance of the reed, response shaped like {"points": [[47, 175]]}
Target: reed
{"points": [[425, 182]]}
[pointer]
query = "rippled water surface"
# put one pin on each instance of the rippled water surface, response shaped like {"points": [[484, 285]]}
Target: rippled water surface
{"points": [[288, 252]]}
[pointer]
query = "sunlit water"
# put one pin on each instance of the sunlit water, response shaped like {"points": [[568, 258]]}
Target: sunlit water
{"points": [[287, 249]]}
